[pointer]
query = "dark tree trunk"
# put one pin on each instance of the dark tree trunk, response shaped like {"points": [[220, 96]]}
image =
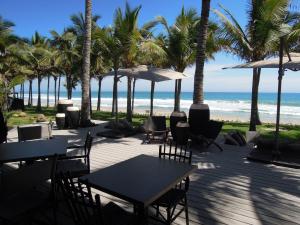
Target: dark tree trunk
{"points": [[152, 97], [30, 93], [129, 92], [91, 105], [85, 82], [115, 96], [23, 91], [55, 87], [69, 86], [99, 93], [177, 95], [48, 88], [254, 117], [198, 96], [58, 90], [39, 103], [133, 95]]}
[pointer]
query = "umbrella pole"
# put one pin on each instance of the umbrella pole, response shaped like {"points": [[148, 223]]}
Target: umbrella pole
{"points": [[276, 152], [152, 97]]}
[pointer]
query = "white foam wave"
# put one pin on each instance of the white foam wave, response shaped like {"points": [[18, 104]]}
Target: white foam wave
{"points": [[215, 105]]}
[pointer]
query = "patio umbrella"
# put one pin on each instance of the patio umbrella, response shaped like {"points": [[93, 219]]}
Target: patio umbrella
{"points": [[152, 74], [290, 61], [158, 75]]}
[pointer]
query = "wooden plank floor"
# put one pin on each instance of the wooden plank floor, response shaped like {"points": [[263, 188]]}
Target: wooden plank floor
{"points": [[226, 188]]}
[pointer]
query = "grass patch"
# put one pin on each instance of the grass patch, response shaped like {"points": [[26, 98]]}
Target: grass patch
{"points": [[288, 132]]}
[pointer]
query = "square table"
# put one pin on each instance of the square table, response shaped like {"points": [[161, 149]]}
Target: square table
{"points": [[140, 180], [31, 150]]}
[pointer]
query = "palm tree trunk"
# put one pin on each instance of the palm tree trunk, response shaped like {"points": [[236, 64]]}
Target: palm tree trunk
{"points": [[69, 86], [58, 91], [115, 95], [48, 86], [23, 91], [152, 97], [55, 86], [39, 104], [91, 106], [99, 93], [254, 117], [129, 92], [30, 93], [198, 96], [175, 95], [85, 104], [133, 95]]}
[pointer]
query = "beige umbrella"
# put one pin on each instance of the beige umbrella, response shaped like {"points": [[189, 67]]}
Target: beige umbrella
{"points": [[283, 62], [149, 73], [291, 62]]}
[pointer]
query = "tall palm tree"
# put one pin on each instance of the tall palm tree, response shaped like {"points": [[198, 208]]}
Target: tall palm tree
{"points": [[85, 81], [198, 96], [256, 42], [67, 56], [180, 45]]}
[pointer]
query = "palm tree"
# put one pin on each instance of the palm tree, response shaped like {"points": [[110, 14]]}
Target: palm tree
{"points": [[265, 26], [85, 81], [198, 96], [180, 45], [67, 57]]}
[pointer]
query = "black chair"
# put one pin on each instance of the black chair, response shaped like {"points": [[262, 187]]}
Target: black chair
{"points": [[25, 192], [156, 129], [176, 198], [87, 210], [209, 134], [77, 161]]}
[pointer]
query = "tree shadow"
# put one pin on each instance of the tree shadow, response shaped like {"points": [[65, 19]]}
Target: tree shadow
{"points": [[227, 188]]}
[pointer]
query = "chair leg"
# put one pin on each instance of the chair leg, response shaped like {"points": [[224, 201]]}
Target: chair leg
{"points": [[186, 208], [168, 222]]}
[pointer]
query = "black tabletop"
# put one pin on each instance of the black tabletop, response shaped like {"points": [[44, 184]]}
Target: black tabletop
{"points": [[18, 151], [141, 179]]}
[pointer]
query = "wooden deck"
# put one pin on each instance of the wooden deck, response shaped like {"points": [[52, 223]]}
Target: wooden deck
{"points": [[226, 188]]}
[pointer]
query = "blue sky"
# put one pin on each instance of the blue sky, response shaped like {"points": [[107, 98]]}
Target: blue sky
{"points": [[43, 16]]}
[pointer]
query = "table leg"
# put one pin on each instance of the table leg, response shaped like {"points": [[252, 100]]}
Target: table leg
{"points": [[142, 215]]}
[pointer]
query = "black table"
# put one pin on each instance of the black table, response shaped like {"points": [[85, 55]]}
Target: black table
{"points": [[140, 180], [31, 150]]}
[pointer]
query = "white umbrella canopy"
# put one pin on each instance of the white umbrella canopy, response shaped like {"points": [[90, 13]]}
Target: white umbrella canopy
{"points": [[149, 73], [152, 74], [293, 64]]}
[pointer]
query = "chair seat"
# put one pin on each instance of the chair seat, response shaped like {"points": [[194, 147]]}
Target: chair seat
{"points": [[75, 166], [19, 205], [171, 198], [115, 215]]}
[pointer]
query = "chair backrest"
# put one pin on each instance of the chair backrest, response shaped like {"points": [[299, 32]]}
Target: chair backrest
{"points": [[87, 148], [33, 132], [85, 209], [157, 123], [179, 153], [29, 177], [213, 129]]}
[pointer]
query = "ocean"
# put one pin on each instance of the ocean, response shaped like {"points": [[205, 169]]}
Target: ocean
{"points": [[223, 105]]}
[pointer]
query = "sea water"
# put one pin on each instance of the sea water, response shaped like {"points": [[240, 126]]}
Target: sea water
{"points": [[223, 105]]}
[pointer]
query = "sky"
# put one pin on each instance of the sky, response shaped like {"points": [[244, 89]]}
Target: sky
{"points": [[45, 15]]}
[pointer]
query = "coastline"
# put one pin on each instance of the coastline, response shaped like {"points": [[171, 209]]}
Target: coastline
{"points": [[220, 110]]}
